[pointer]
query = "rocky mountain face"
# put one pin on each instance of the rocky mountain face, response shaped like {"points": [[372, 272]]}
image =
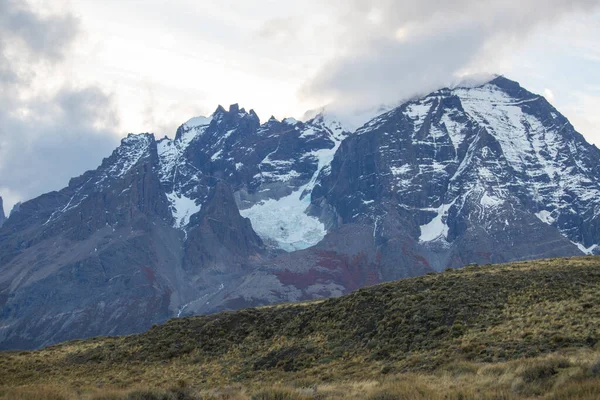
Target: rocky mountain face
{"points": [[234, 213], [486, 174], [156, 230], [2, 216]]}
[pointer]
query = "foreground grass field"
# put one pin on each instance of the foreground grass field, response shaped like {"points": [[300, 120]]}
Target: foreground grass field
{"points": [[522, 330]]}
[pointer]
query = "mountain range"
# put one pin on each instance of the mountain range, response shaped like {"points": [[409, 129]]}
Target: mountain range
{"points": [[233, 213]]}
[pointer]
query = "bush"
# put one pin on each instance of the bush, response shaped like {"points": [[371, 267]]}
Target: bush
{"points": [[544, 370], [595, 368], [538, 373]]}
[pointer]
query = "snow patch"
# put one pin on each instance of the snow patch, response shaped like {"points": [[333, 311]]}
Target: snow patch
{"points": [[217, 155], [417, 112], [488, 201], [285, 220], [587, 250], [401, 170], [437, 228], [182, 208], [308, 133], [545, 217], [503, 118], [170, 152], [456, 130]]}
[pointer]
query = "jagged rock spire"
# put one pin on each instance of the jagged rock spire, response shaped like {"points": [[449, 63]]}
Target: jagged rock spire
{"points": [[2, 215]]}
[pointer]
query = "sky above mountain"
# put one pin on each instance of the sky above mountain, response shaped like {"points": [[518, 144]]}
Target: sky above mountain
{"points": [[77, 75]]}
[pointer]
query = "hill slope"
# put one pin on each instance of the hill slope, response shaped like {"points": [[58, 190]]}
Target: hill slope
{"points": [[487, 314]]}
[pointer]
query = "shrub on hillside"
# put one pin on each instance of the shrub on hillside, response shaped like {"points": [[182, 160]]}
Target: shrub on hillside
{"points": [[595, 368]]}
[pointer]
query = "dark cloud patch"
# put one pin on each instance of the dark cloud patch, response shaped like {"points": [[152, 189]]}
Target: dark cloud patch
{"points": [[45, 138], [63, 136], [392, 50], [45, 36]]}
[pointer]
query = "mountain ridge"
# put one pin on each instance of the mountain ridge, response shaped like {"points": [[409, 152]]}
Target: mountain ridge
{"points": [[234, 213]]}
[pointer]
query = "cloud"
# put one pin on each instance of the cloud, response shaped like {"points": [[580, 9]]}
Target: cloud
{"points": [[392, 50], [584, 114], [44, 36], [50, 129], [549, 95], [163, 117]]}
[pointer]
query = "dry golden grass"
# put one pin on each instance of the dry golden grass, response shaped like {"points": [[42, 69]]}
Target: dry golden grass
{"points": [[522, 330], [570, 374]]}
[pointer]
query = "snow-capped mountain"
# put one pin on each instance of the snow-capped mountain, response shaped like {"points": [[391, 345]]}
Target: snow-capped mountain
{"points": [[157, 227], [271, 167], [233, 213], [483, 174]]}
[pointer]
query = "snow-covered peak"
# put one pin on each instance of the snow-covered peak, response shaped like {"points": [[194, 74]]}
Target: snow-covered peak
{"points": [[132, 149], [490, 145], [198, 122], [202, 121], [196, 126], [347, 120], [290, 121], [475, 80], [137, 139], [331, 124], [523, 136]]}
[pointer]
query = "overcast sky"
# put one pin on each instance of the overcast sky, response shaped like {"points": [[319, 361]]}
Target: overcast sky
{"points": [[77, 75]]}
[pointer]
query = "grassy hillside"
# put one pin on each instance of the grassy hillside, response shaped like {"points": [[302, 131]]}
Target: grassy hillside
{"points": [[502, 331]]}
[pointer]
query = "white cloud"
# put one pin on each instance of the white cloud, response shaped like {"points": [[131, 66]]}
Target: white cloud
{"points": [[50, 129], [584, 115], [439, 41]]}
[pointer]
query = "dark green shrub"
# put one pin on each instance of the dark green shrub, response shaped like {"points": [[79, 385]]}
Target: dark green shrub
{"points": [[595, 368], [538, 373]]}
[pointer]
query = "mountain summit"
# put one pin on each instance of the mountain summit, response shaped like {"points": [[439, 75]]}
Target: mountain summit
{"points": [[233, 212], [486, 174]]}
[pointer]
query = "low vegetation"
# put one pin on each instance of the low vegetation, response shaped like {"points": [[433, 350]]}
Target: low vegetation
{"points": [[521, 330]]}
